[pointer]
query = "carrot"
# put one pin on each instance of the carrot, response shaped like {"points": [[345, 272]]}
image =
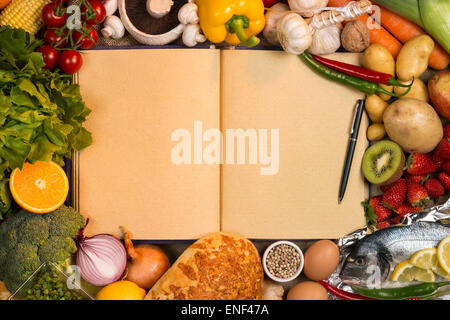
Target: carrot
{"points": [[378, 34], [404, 30]]}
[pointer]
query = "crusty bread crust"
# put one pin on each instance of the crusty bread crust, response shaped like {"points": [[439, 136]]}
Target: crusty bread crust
{"points": [[220, 266]]}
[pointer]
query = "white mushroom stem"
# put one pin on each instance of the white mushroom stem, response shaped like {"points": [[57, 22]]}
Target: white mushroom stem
{"points": [[192, 35], [110, 7], [159, 8], [113, 28], [145, 38]]}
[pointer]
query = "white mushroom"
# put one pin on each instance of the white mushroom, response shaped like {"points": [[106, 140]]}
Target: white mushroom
{"points": [[192, 35], [145, 38], [110, 7], [159, 8], [113, 28], [188, 14]]}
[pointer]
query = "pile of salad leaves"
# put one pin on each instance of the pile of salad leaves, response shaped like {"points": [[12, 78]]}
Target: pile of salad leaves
{"points": [[41, 111]]}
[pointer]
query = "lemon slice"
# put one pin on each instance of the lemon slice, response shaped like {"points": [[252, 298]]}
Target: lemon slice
{"points": [[406, 272], [425, 259], [423, 275], [403, 272], [441, 272], [443, 254]]}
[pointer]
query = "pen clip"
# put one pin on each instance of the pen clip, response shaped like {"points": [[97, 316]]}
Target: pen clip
{"points": [[355, 113]]}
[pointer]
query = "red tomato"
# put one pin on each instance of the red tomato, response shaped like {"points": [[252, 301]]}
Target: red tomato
{"points": [[50, 56], [70, 61], [50, 18], [52, 39], [269, 3], [96, 16], [83, 41]]}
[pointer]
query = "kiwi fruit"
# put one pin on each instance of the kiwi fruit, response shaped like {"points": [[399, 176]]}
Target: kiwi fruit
{"points": [[383, 163]]}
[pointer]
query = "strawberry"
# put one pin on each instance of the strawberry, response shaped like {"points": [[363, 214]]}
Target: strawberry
{"points": [[407, 208], [375, 211], [383, 224], [446, 167], [419, 164], [397, 220], [417, 179], [395, 195], [447, 131], [444, 178], [442, 152], [417, 195], [434, 187]]}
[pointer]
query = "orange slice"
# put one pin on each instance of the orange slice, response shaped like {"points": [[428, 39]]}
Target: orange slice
{"points": [[41, 187]]}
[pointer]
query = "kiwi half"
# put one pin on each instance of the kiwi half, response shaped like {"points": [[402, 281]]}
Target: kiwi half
{"points": [[383, 163]]}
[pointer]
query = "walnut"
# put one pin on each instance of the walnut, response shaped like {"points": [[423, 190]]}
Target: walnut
{"points": [[355, 37]]}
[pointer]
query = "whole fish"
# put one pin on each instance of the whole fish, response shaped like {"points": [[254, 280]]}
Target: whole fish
{"points": [[373, 258]]}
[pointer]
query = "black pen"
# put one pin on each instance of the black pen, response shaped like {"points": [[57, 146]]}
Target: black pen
{"points": [[351, 147]]}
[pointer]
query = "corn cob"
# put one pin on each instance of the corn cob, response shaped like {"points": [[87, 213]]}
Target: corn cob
{"points": [[25, 14]]}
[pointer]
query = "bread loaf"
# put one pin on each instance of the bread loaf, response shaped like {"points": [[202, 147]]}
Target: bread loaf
{"points": [[221, 266]]}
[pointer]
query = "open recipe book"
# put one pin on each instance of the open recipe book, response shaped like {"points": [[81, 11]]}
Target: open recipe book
{"points": [[193, 141]]}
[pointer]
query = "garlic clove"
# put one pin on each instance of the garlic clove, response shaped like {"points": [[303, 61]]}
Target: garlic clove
{"points": [[159, 8]]}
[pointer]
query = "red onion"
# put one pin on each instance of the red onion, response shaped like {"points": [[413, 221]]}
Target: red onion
{"points": [[101, 259]]}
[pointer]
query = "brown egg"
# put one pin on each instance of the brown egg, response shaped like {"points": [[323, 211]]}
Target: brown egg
{"points": [[307, 290], [321, 259]]}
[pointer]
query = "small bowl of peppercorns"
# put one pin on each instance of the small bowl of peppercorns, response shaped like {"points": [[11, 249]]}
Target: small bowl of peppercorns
{"points": [[283, 261]]}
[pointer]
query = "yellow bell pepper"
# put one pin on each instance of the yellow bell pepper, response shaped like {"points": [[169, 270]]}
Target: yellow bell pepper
{"points": [[232, 21]]}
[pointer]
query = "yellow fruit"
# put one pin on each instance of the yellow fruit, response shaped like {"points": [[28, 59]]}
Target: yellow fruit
{"points": [[406, 272], [443, 254], [41, 187], [121, 290], [424, 259], [441, 272]]}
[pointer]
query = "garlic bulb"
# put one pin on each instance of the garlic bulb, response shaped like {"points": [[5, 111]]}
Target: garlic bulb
{"points": [[304, 6], [277, 11], [326, 40], [294, 33]]}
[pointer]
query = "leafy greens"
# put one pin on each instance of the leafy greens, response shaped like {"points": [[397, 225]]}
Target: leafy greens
{"points": [[41, 111]]}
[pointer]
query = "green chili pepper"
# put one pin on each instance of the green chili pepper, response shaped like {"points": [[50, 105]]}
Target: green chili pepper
{"points": [[357, 83], [418, 290]]}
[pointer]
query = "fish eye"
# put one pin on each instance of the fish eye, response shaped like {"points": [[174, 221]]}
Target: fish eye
{"points": [[360, 261]]}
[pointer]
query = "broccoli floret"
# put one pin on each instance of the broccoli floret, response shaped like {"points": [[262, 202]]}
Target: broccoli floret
{"points": [[22, 261], [65, 222], [34, 230], [27, 240], [57, 249]]}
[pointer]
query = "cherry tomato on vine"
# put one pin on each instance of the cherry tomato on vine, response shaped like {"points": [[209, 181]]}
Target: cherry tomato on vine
{"points": [[52, 39], [50, 56], [70, 61], [83, 41], [97, 16], [50, 16]]}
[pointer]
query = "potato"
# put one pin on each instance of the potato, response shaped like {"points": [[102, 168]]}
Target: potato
{"points": [[376, 131], [375, 107], [414, 125], [439, 88], [412, 59], [376, 57], [418, 90]]}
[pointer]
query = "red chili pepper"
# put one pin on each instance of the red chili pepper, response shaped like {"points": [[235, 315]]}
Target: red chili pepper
{"points": [[344, 295], [360, 72]]}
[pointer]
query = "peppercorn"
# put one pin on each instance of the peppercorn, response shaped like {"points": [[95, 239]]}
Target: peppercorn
{"points": [[283, 261]]}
